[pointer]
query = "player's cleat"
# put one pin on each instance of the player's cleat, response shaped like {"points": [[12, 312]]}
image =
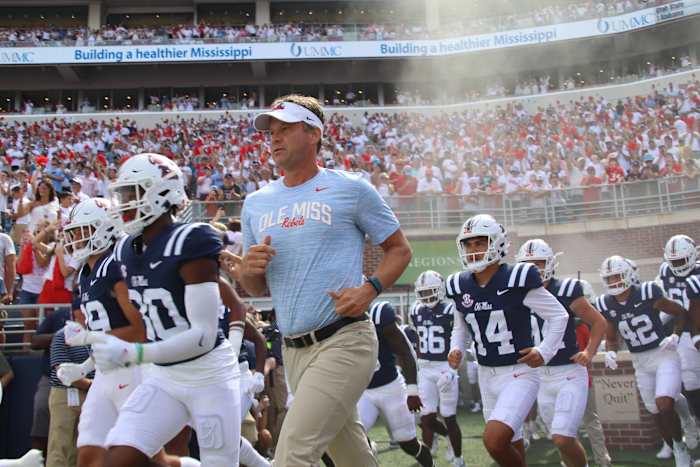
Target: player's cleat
{"points": [[690, 431], [375, 451], [458, 462], [665, 452], [436, 445], [33, 458], [681, 454], [449, 452]]}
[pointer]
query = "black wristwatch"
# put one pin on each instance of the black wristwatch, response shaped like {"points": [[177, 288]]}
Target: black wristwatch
{"points": [[376, 284]]}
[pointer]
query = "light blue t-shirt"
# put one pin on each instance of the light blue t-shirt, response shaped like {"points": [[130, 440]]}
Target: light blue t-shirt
{"points": [[318, 232]]}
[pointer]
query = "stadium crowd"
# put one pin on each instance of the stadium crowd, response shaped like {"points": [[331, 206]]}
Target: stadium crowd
{"points": [[289, 32], [505, 150]]}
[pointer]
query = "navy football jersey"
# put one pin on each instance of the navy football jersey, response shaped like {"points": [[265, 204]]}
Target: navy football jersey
{"points": [[680, 289], [382, 314], [98, 303], [153, 277], [411, 335], [434, 328], [566, 291], [496, 316], [637, 321]]}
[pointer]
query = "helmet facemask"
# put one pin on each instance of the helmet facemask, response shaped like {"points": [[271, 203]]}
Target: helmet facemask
{"points": [[617, 275], [478, 261], [681, 255], [132, 210], [430, 296], [88, 232], [79, 241], [617, 283]]}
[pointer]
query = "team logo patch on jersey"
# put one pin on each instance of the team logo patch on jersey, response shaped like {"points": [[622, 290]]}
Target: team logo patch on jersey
{"points": [[467, 300], [612, 313], [671, 280]]}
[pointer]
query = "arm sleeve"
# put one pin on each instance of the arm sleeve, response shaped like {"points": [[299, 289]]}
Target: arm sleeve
{"points": [[458, 340], [547, 307], [374, 216], [202, 305]]}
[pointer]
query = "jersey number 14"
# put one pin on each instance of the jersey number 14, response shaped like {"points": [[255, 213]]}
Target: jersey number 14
{"points": [[496, 332]]}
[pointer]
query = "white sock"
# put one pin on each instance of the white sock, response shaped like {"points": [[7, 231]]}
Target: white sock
{"points": [[679, 445], [682, 408], [189, 462], [250, 457]]}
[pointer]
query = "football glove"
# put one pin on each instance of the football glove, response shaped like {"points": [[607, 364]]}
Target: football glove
{"points": [[611, 360]]}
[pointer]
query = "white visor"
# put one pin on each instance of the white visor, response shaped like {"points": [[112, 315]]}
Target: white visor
{"points": [[290, 113]]}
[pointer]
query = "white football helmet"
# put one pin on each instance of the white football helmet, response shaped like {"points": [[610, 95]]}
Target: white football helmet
{"points": [[430, 288], [147, 186], [681, 254], [617, 266], [482, 225], [538, 250], [90, 229]]}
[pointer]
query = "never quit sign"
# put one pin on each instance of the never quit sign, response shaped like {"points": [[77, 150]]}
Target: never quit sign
{"points": [[616, 398]]}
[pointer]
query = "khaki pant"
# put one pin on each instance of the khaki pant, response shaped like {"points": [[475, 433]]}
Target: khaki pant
{"points": [[277, 392], [327, 380], [63, 429], [594, 429]]}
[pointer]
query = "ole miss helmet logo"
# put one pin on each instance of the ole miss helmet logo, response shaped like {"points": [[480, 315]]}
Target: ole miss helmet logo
{"points": [[279, 106], [158, 161]]}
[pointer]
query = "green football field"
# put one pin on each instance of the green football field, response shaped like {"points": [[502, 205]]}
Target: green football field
{"points": [[541, 453]]}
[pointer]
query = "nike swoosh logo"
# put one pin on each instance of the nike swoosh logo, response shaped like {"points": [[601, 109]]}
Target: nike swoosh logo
{"points": [[122, 386], [154, 265], [569, 378], [516, 375], [321, 188], [501, 292], [93, 282], [637, 305]]}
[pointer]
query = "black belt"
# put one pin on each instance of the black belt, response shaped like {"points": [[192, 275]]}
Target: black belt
{"points": [[321, 334]]}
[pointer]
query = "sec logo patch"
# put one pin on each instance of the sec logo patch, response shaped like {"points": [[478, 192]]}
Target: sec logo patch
{"points": [[467, 301]]}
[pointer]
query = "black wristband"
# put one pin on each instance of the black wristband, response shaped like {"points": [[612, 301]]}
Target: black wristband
{"points": [[376, 284]]}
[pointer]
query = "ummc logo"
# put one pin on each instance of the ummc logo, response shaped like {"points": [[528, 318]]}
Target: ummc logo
{"points": [[16, 57], [316, 51], [626, 24]]}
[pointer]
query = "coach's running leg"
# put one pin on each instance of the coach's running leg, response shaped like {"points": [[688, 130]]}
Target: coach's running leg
{"points": [[327, 380]]}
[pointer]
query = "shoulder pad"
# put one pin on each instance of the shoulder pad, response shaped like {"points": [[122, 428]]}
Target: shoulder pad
{"points": [[524, 275], [382, 314], [650, 291], [570, 288]]}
